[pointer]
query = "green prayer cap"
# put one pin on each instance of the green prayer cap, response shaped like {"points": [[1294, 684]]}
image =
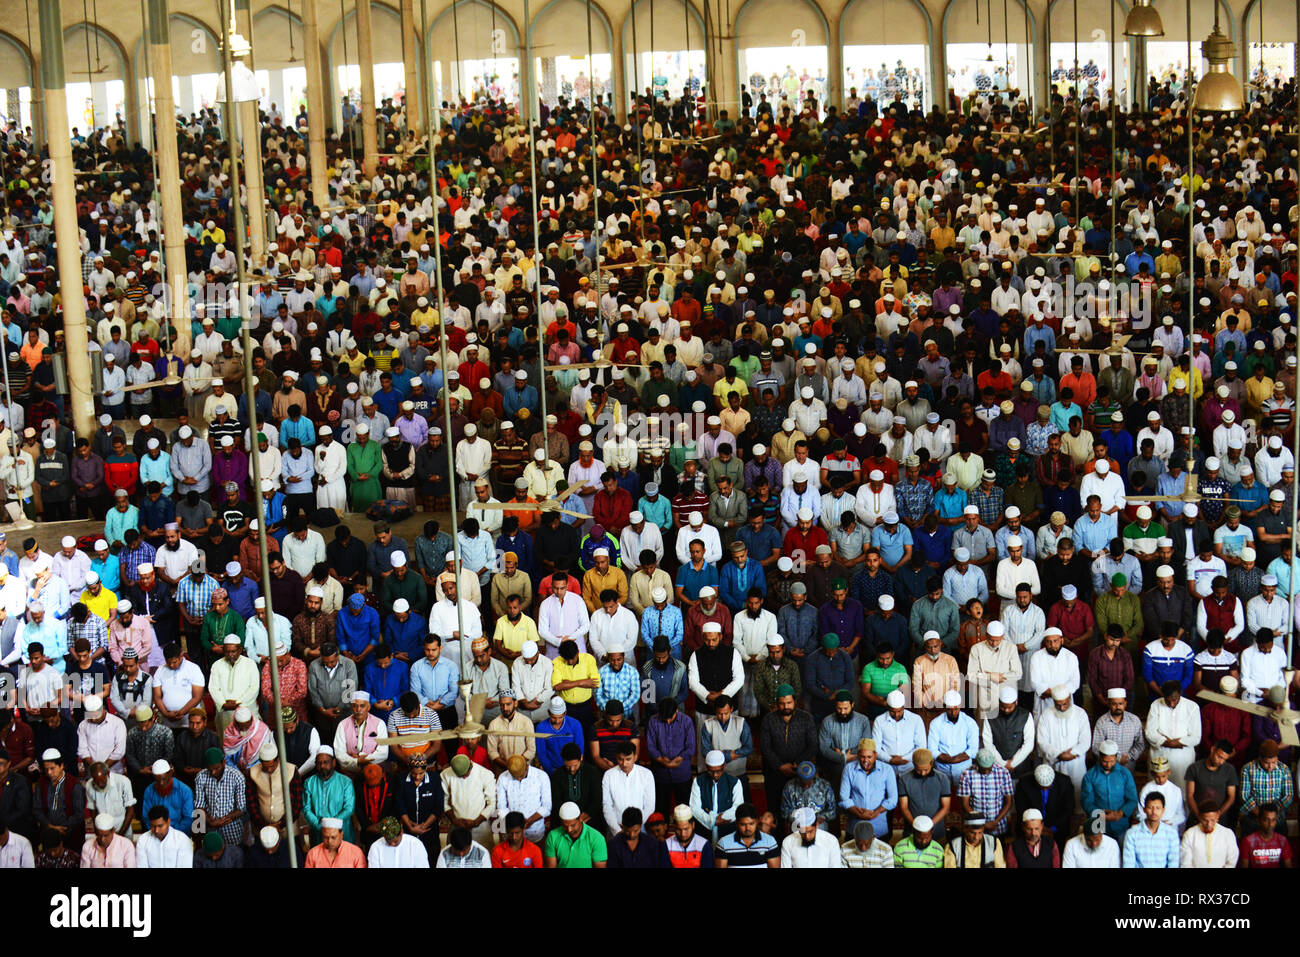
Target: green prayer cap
{"points": [[213, 756], [390, 827], [460, 764], [839, 583], [1118, 579], [783, 691], [831, 640], [213, 842], [261, 437]]}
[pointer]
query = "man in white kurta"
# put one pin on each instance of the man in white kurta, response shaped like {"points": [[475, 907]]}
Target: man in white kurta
{"points": [[525, 788], [1050, 666], [473, 458], [1173, 731], [626, 785], [563, 615], [1063, 737], [1025, 624], [331, 467], [994, 665], [399, 851], [1209, 844]]}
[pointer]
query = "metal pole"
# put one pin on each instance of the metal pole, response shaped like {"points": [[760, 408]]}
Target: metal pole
{"points": [[250, 390], [534, 109], [442, 351], [1191, 233], [1114, 199], [1295, 506]]}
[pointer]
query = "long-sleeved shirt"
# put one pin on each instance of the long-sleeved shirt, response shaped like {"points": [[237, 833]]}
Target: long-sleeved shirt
{"points": [[1113, 790], [1143, 849], [1216, 849], [1161, 664], [671, 739], [953, 738], [872, 789], [620, 790], [569, 619]]}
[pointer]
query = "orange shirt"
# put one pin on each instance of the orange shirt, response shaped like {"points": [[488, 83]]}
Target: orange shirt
{"points": [[529, 855], [348, 855]]}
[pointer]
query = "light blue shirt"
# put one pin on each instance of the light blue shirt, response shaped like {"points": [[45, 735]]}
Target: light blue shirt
{"points": [[962, 588], [954, 737], [1142, 849], [868, 790], [436, 683], [667, 622], [658, 512], [898, 738], [304, 467], [304, 430], [258, 644], [157, 470], [891, 545], [116, 523], [1094, 536], [52, 635], [478, 554], [1026, 537]]}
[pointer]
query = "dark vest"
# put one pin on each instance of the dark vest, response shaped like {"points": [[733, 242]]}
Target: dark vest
{"points": [[714, 665], [1025, 859], [726, 791], [298, 744], [958, 848], [1008, 732]]}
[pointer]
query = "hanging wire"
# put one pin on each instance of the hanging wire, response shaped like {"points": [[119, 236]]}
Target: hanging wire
{"points": [[85, 33], [457, 90], [1006, 48]]}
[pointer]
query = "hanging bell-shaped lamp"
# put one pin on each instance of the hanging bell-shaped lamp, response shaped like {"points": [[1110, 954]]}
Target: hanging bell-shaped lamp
{"points": [[1143, 21], [1219, 91]]}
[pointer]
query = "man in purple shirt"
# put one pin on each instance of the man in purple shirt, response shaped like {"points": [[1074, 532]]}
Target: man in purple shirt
{"points": [[670, 739]]}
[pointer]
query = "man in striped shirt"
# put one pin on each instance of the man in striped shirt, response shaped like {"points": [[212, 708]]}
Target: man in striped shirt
{"points": [[747, 847], [865, 850]]}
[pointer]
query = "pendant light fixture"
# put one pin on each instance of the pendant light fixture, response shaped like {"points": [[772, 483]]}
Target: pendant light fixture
{"points": [[1143, 21], [1218, 91]]}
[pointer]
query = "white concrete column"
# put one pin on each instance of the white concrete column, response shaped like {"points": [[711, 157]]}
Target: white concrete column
{"points": [[169, 184], [317, 119], [412, 103], [66, 233], [365, 48]]}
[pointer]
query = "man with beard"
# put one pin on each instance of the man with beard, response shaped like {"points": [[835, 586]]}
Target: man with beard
{"points": [[398, 471], [789, 737], [1009, 734], [838, 737], [311, 628]]}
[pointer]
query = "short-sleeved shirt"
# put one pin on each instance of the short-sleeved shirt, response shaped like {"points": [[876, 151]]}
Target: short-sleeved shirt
{"points": [[529, 855], [736, 854], [1217, 781], [585, 851], [1262, 853], [884, 680]]}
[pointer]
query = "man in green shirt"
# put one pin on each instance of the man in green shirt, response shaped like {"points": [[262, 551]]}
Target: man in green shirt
{"points": [[573, 843], [919, 849], [1119, 606], [880, 677], [221, 620]]}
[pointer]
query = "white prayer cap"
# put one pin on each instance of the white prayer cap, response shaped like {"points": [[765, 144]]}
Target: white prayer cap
{"points": [[569, 811], [785, 563], [659, 594], [332, 823], [776, 641], [1060, 693], [804, 817], [804, 515], [268, 837], [315, 591], [922, 824], [952, 698], [876, 475], [896, 699], [930, 635], [259, 602], [997, 629], [361, 696], [528, 649], [1165, 571], [885, 602], [1108, 747], [1228, 685], [242, 713], [1116, 693], [160, 767], [1069, 592], [1102, 466], [325, 749], [94, 704], [401, 606], [1007, 695], [104, 822], [268, 751], [1033, 814], [715, 759], [1015, 541], [398, 560]]}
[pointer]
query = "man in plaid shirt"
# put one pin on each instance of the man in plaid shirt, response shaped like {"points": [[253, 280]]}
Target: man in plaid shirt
{"points": [[988, 498], [985, 791], [1265, 780], [136, 552]]}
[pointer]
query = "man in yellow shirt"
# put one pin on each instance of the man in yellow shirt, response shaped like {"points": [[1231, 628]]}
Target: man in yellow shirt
{"points": [[513, 629], [575, 678], [98, 599]]}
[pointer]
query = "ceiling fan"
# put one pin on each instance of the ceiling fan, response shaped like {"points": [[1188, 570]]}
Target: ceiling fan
{"points": [[471, 727], [1276, 708], [549, 505]]}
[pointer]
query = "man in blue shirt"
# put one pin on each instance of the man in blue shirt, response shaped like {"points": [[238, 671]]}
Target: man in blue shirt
{"points": [[1109, 787], [868, 789], [562, 729], [385, 678], [1153, 843], [357, 629], [435, 678]]}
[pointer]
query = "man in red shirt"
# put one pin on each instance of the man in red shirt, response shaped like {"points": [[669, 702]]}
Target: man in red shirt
{"points": [[516, 850], [612, 505], [803, 539], [1266, 848]]}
